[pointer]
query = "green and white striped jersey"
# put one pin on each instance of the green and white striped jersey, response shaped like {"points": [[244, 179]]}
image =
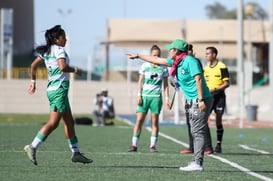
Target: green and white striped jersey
{"points": [[56, 77], [153, 76]]}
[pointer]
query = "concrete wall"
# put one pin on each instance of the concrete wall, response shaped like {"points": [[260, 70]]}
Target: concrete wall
{"points": [[14, 98]]}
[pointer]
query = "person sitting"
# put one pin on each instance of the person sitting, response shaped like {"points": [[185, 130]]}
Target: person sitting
{"points": [[105, 108]]}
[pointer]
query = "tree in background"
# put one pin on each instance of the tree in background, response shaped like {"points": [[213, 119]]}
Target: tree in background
{"points": [[219, 11]]}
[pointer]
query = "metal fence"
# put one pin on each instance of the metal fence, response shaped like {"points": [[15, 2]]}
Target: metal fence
{"points": [[23, 73]]}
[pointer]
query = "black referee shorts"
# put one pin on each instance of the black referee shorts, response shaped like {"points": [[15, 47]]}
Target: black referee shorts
{"points": [[219, 103]]}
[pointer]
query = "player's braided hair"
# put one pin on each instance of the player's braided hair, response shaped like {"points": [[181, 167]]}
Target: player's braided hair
{"points": [[50, 35]]}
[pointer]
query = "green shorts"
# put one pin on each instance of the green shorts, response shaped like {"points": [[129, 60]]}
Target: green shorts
{"points": [[58, 100], [152, 103]]}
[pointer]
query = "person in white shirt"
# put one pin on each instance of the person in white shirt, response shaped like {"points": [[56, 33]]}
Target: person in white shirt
{"points": [[105, 108]]}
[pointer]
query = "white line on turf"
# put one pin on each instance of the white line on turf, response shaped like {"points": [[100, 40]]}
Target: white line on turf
{"points": [[233, 164], [253, 149], [127, 121]]}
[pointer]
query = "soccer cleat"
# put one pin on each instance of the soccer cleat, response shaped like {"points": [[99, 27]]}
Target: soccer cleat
{"points": [[79, 157], [208, 151], [153, 149], [132, 149], [192, 167], [186, 151], [31, 153], [218, 148]]}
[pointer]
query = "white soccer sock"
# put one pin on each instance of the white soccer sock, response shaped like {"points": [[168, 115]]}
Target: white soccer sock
{"points": [[73, 145], [39, 139], [135, 139], [36, 142], [154, 139]]}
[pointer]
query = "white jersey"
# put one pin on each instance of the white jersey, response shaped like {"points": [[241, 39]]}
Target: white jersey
{"points": [[153, 76], [56, 77], [106, 103]]}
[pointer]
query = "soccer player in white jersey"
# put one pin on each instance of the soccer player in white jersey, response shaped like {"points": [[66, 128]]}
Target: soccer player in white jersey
{"points": [[149, 97], [57, 63]]}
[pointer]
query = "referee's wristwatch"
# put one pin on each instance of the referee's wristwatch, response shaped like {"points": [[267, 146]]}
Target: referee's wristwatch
{"points": [[200, 100]]}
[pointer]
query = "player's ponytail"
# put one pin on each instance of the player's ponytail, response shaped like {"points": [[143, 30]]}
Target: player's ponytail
{"points": [[50, 36]]}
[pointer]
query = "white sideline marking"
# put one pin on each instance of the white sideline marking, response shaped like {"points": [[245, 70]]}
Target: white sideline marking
{"points": [[127, 121], [253, 149], [235, 165], [243, 169], [169, 138]]}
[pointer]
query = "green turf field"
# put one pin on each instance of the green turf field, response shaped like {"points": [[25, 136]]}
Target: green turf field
{"points": [[107, 146]]}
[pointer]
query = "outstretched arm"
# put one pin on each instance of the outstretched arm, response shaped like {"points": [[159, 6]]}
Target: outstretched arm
{"points": [[148, 58]]}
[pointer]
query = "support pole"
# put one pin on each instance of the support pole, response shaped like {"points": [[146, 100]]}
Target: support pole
{"points": [[240, 71], [270, 52]]}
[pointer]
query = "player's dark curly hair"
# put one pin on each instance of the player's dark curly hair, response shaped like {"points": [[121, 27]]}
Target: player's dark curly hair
{"points": [[50, 35], [155, 47]]}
